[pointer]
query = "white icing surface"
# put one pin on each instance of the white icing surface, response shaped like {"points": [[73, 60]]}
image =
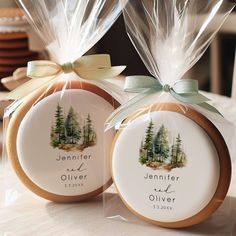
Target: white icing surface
{"points": [[39, 159], [197, 181]]}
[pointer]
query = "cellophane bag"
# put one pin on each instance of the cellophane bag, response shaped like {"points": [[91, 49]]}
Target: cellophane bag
{"points": [[54, 131], [172, 157]]}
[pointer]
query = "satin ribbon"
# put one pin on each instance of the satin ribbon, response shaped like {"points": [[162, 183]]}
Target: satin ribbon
{"points": [[185, 91], [41, 72]]}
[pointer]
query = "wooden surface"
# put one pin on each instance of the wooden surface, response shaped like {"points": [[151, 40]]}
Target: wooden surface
{"points": [[25, 214]]}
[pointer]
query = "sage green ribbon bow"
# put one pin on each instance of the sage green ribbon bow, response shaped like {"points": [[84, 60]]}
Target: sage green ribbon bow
{"points": [[91, 67], [185, 91]]}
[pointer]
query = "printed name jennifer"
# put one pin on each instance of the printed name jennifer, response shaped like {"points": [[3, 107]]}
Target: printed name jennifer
{"points": [[73, 158], [161, 177]]}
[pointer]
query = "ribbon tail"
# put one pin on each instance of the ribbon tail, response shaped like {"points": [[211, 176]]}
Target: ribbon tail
{"points": [[139, 83], [94, 60], [128, 108], [194, 98], [27, 88], [99, 73], [209, 107], [43, 68]]}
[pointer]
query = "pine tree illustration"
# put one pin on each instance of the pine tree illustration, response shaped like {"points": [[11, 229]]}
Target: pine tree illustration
{"points": [[84, 134], [59, 125], [181, 156], [173, 154], [157, 146], [142, 154], [148, 144], [161, 144], [89, 135], [72, 127], [178, 157], [54, 140], [178, 148], [155, 150], [66, 132], [89, 128]]}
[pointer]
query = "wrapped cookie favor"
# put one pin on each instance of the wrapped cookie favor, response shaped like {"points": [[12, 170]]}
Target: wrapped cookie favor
{"points": [[55, 134], [170, 159]]}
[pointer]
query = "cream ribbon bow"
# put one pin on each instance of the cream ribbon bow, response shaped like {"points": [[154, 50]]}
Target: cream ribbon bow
{"points": [[91, 67]]}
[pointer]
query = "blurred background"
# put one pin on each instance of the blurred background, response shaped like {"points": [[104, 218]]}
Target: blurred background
{"points": [[18, 44], [215, 70]]}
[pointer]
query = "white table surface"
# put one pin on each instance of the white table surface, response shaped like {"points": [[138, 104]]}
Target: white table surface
{"points": [[26, 214]]}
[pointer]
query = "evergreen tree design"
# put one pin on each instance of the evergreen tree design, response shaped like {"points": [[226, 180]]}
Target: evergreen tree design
{"points": [[142, 154], [156, 153], [173, 154], [148, 145], [178, 148], [66, 132], [89, 134], [59, 125], [72, 127], [161, 144], [178, 156], [146, 148], [84, 134], [54, 139]]}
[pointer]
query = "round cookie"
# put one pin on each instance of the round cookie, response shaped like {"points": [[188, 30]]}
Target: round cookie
{"points": [[177, 169], [56, 142]]}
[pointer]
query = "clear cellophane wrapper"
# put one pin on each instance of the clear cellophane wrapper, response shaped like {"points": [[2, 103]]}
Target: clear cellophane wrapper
{"points": [[68, 29], [170, 37]]}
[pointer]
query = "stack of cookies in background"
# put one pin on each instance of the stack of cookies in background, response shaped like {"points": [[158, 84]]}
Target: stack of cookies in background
{"points": [[14, 48]]}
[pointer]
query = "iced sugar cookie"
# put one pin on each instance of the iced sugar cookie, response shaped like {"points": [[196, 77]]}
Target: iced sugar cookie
{"points": [[171, 165], [56, 141]]}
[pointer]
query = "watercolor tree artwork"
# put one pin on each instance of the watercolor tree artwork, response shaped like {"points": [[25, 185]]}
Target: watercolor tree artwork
{"points": [[68, 134], [157, 153]]}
